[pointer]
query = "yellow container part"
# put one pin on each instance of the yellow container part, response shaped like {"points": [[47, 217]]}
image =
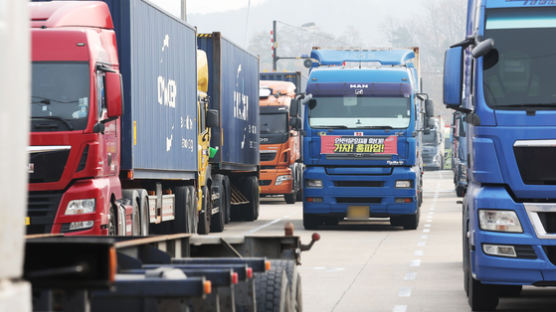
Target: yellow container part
{"points": [[202, 71]]}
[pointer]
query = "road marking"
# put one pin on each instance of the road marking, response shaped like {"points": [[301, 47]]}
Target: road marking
{"points": [[410, 276], [419, 253], [415, 263], [421, 244], [426, 230], [424, 236], [404, 292], [319, 268], [399, 308], [428, 225], [265, 225]]}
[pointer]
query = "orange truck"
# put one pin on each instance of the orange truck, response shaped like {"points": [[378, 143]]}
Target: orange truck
{"points": [[280, 146]]}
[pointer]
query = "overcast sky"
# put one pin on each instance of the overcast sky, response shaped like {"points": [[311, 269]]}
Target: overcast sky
{"points": [[235, 21]]}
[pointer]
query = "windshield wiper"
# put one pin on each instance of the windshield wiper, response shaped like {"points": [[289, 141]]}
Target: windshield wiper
{"points": [[525, 106], [375, 127], [45, 100], [330, 127], [60, 119]]}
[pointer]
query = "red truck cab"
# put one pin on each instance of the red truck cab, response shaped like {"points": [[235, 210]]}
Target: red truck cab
{"points": [[75, 126], [280, 148]]}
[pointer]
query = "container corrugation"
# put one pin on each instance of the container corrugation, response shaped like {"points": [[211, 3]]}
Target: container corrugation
{"points": [[234, 91], [297, 78], [157, 54]]}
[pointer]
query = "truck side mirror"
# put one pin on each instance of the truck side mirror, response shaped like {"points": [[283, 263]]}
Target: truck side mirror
{"points": [[294, 107], [429, 108], [483, 48], [113, 84], [213, 118], [453, 77], [295, 123]]}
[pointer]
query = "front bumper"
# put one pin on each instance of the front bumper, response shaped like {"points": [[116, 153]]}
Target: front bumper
{"points": [[535, 264], [49, 217], [267, 181], [377, 191]]}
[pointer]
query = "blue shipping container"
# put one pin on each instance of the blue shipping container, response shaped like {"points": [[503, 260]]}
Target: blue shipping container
{"points": [[158, 60], [234, 91], [297, 78]]}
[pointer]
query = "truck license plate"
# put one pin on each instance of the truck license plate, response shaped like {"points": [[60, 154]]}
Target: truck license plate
{"points": [[358, 212]]}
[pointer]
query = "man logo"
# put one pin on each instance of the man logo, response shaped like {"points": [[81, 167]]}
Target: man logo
{"points": [[359, 86], [359, 92]]}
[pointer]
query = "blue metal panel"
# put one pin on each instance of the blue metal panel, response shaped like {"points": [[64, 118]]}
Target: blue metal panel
{"points": [[384, 57], [519, 3], [157, 54], [234, 91]]}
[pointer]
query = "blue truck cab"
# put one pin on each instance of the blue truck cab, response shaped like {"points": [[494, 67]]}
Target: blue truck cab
{"points": [[363, 125], [502, 77]]}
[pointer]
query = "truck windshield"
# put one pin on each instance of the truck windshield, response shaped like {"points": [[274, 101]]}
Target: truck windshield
{"points": [[60, 96], [274, 123], [430, 138], [518, 74], [360, 112]]}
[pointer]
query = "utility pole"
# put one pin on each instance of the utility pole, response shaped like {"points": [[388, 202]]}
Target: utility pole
{"points": [[274, 47], [183, 11]]}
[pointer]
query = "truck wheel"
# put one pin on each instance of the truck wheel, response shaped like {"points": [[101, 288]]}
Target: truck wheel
{"points": [[227, 200], [311, 222], [144, 212], [192, 214], [481, 297], [271, 291], [133, 196], [250, 211], [294, 282], [290, 198], [112, 222], [179, 225], [409, 222], [217, 219], [204, 214], [460, 191]]}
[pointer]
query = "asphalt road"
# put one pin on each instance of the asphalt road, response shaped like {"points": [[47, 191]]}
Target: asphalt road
{"points": [[376, 267]]}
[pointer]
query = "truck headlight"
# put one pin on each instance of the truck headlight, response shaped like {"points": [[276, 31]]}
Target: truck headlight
{"points": [[403, 184], [282, 178], [80, 206], [499, 221], [313, 183]]}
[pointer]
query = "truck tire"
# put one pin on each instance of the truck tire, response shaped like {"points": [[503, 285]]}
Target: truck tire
{"points": [[311, 222], [192, 213], [250, 211], [179, 225], [481, 297], [460, 191], [204, 214], [408, 222], [112, 221], [133, 196], [290, 198], [294, 282], [144, 211], [271, 291], [227, 200], [217, 219]]}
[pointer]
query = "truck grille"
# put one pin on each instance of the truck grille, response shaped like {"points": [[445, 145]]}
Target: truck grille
{"points": [[550, 253], [548, 220], [358, 200], [47, 166], [41, 209], [267, 156], [536, 164], [359, 183], [264, 182]]}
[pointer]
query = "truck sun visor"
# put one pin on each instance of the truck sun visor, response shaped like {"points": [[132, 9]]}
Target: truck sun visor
{"points": [[359, 89]]}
